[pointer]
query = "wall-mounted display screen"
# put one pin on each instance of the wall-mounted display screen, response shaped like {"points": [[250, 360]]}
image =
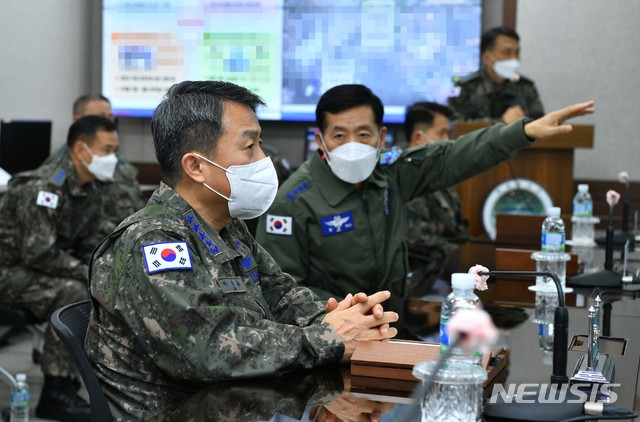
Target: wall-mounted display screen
{"points": [[288, 51]]}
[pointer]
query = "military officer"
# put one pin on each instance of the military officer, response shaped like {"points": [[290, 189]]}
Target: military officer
{"points": [[497, 92], [48, 228], [437, 227], [121, 194], [339, 222], [182, 292]]}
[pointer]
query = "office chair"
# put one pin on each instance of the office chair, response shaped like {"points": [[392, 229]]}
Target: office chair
{"points": [[70, 323], [18, 318]]}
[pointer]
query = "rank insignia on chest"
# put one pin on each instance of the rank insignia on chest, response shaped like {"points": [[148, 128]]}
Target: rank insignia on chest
{"points": [[391, 156], [279, 224], [338, 223], [47, 199], [165, 256]]}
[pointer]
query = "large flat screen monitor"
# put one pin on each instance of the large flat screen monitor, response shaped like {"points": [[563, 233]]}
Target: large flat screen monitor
{"points": [[288, 51], [24, 144]]}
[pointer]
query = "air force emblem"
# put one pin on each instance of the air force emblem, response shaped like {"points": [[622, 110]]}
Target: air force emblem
{"points": [[338, 223]]}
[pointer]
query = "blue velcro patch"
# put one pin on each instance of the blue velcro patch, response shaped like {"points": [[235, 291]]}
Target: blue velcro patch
{"points": [[59, 177], [254, 276], [292, 195], [391, 156], [247, 263], [338, 223]]}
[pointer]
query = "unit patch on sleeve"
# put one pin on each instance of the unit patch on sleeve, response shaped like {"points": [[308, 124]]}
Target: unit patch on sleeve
{"points": [[47, 199], [166, 256], [280, 225], [338, 223]]}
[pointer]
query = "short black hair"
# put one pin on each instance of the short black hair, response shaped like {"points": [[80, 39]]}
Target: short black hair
{"points": [[190, 118], [345, 97], [87, 127], [489, 38], [423, 112], [80, 104]]}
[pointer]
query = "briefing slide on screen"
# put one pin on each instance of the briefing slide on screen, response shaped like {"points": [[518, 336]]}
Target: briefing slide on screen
{"points": [[288, 52]]}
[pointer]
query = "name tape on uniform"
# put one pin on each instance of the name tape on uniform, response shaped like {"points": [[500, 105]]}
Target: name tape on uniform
{"points": [[166, 256], [47, 199], [280, 225]]}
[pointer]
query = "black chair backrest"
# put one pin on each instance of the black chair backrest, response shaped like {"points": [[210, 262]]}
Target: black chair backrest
{"points": [[15, 317], [70, 323]]}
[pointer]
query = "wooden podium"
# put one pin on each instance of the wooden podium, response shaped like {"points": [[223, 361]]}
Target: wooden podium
{"points": [[548, 162]]}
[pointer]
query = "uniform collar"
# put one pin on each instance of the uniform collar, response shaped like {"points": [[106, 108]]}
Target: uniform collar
{"points": [[206, 235], [334, 190], [67, 171]]}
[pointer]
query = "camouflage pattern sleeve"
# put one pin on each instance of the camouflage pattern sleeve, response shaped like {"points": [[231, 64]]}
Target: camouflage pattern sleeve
{"points": [[121, 197], [192, 329], [289, 303], [38, 239], [258, 399], [436, 166]]}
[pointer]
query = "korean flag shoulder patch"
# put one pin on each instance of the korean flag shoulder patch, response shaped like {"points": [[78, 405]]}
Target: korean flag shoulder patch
{"points": [[166, 256], [47, 199], [279, 224]]}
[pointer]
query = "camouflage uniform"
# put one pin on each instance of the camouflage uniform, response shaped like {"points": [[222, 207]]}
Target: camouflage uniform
{"points": [[436, 229], [121, 197], [257, 399], [223, 310], [482, 99], [47, 232], [337, 239]]}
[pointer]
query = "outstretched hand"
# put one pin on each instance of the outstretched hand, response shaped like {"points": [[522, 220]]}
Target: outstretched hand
{"points": [[552, 124]]}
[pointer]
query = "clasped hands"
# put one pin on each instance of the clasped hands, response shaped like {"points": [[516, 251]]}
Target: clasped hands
{"points": [[360, 318]]}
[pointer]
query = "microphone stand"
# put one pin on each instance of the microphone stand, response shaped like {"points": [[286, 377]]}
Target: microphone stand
{"points": [[607, 277], [560, 322]]}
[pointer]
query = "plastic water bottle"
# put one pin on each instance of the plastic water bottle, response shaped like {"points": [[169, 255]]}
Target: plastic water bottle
{"points": [[462, 297], [553, 236], [582, 202], [20, 398], [583, 226], [545, 336]]}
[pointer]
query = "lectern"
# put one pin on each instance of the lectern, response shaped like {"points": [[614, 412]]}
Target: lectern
{"points": [[549, 163]]}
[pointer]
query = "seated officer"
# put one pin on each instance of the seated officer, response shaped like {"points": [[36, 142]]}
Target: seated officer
{"points": [[48, 228], [339, 222], [182, 292], [497, 92], [121, 194], [436, 225]]}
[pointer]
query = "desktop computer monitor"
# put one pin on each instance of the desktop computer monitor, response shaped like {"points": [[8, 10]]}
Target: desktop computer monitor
{"points": [[24, 144]]}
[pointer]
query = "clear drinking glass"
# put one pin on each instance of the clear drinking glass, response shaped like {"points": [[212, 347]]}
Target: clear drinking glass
{"points": [[455, 394]]}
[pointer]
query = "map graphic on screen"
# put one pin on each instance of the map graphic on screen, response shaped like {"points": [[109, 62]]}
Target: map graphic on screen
{"points": [[288, 51]]}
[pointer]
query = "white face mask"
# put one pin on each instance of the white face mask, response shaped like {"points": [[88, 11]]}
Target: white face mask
{"points": [[507, 69], [352, 162], [253, 187], [101, 166]]}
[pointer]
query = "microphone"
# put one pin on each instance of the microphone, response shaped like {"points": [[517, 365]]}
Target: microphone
{"points": [[560, 323], [623, 177]]}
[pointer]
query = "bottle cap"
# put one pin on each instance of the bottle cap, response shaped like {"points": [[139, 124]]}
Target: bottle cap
{"points": [[583, 188], [554, 212], [21, 377], [463, 281]]}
